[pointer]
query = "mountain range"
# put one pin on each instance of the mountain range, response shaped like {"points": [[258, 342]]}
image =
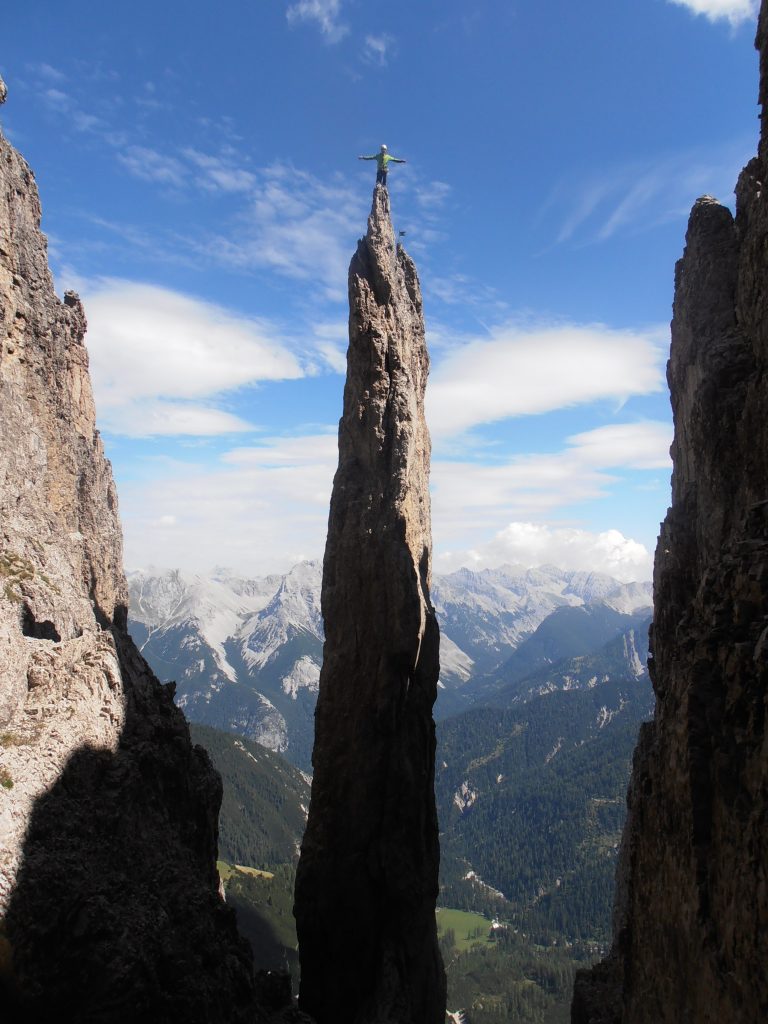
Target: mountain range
{"points": [[245, 653]]}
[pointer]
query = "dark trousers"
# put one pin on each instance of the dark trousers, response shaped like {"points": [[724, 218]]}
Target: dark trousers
{"points": [[381, 177]]}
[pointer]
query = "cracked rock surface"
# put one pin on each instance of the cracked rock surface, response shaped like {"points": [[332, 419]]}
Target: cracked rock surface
{"points": [[108, 814], [367, 878], [691, 913]]}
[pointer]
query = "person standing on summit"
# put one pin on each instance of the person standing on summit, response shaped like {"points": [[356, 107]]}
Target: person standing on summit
{"points": [[383, 160]]}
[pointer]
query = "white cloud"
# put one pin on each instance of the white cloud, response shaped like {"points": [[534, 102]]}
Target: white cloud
{"points": [[534, 544], [289, 453], [86, 122], [460, 289], [432, 194], [470, 498], [150, 165], [591, 196], [324, 12], [159, 358], [162, 418], [57, 99], [299, 227], [262, 508], [47, 71], [734, 11], [331, 342], [61, 102], [521, 371], [643, 445], [217, 174], [378, 48]]}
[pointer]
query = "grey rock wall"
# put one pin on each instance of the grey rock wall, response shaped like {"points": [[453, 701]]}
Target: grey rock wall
{"points": [[108, 814], [690, 928]]}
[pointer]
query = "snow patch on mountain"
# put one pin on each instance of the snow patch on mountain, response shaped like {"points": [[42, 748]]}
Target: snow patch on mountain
{"points": [[305, 673], [293, 610], [209, 607], [454, 663], [488, 613], [267, 727], [630, 598], [636, 665], [246, 653]]}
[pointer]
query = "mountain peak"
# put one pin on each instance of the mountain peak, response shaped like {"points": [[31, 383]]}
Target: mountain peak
{"points": [[373, 798]]}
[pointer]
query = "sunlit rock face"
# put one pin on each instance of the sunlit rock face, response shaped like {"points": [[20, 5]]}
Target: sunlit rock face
{"points": [[108, 814], [690, 935], [367, 879]]}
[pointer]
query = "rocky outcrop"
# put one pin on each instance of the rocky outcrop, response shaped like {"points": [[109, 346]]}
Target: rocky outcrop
{"points": [[690, 935], [367, 878], [108, 814]]}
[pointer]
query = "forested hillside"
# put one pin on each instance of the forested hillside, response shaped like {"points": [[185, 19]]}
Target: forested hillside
{"points": [[531, 799], [262, 818]]}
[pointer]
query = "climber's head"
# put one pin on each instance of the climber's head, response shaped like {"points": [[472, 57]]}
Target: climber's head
{"points": [[383, 148]]}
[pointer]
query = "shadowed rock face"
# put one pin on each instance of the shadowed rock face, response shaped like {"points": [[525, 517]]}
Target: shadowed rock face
{"points": [[690, 935], [367, 878], [108, 814]]}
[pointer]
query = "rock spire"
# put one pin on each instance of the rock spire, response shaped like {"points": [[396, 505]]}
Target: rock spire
{"points": [[690, 936], [367, 877], [108, 815]]}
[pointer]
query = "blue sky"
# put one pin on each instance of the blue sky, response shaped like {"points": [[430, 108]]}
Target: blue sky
{"points": [[200, 187]]}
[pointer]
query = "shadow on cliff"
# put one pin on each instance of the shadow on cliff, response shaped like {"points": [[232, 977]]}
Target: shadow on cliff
{"points": [[115, 915]]}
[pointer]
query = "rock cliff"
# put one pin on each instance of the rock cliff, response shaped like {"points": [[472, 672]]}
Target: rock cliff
{"points": [[108, 814], [690, 932], [367, 877]]}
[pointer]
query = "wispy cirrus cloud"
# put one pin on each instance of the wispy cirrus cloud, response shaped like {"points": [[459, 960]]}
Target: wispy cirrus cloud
{"points": [[150, 165], [219, 173], [298, 227], [61, 102], [289, 221], [433, 194], [56, 98], [638, 195], [162, 363], [181, 168], [733, 11], [47, 72], [378, 49], [324, 13]]}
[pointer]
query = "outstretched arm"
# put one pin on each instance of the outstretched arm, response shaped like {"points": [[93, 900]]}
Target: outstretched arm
{"points": [[366, 158], [397, 160]]}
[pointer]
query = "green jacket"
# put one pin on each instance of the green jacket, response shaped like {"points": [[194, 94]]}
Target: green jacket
{"points": [[382, 159]]}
